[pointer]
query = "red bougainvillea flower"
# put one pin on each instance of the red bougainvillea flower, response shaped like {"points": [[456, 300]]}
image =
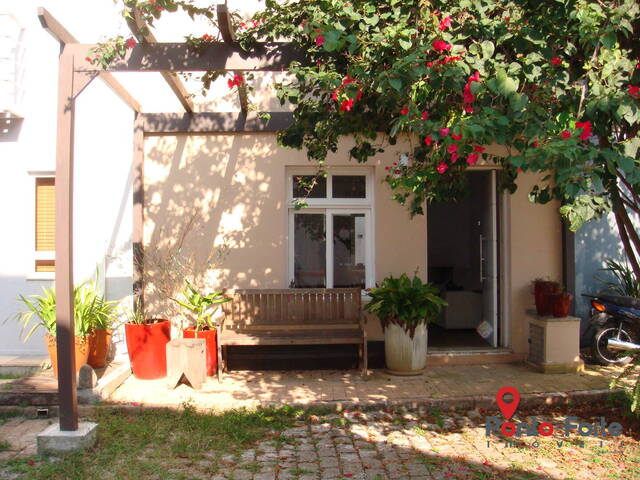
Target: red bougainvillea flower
{"points": [[452, 148], [555, 61], [444, 132], [449, 58], [428, 140], [535, 144], [404, 111], [207, 38], [346, 105], [442, 167], [441, 46], [398, 172], [454, 157], [456, 137], [130, 42], [359, 95], [444, 24], [387, 167], [235, 81], [565, 134], [347, 80], [467, 96], [429, 64], [478, 148], [586, 130], [472, 158], [319, 40], [334, 96], [425, 115], [634, 90], [88, 59], [468, 109]]}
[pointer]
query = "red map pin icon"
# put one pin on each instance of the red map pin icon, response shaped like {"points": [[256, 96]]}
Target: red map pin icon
{"points": [[508, 409]]}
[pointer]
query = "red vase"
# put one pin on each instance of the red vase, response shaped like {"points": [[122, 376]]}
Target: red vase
{"points": [[147, 347], [542, 291], [211, 341], [561, 304]]}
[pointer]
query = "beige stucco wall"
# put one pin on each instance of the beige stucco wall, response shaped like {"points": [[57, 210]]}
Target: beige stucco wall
{"points": [[235, 185]]}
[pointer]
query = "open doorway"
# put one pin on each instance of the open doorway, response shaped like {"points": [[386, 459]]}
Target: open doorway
{"points": [[462, 246]]}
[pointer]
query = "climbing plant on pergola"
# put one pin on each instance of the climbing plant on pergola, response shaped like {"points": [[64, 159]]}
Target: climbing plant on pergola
{"points": [[76, 71]]}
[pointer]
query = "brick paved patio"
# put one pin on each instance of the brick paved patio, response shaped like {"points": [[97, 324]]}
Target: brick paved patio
{"points": [[329, 387]]}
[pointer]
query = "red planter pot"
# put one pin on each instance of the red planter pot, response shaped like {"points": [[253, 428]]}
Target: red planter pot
{"points": [[542, 292], [561, 304], [211, 341], [147, 347]]}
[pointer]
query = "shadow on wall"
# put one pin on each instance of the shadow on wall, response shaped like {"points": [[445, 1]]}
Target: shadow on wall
{"points": [[213, 197], [595, 242]]}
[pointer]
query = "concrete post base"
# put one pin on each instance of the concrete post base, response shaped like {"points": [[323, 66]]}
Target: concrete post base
{"points": [[53, 440]]}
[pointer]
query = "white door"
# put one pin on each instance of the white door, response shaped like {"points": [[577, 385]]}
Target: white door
{"points": [[489, 258]]}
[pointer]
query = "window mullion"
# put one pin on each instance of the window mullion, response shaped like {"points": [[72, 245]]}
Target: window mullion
{"points": [[328, 218]]}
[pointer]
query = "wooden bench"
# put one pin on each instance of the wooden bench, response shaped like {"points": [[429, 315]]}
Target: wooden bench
{"points": [[293, 316]]}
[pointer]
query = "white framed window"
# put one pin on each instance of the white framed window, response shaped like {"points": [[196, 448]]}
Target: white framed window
{"points": [[331, 239], [43, 236]]}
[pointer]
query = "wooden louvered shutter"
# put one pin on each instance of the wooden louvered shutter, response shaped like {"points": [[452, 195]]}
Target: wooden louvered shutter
{"points": [[45, 221]]}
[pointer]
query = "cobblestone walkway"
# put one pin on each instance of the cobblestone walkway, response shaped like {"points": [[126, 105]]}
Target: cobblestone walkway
{"points": [[384, 446]]}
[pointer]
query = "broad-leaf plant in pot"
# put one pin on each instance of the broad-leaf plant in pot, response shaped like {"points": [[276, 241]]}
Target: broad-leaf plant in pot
{"points": [[405, 306], [202, 306]]}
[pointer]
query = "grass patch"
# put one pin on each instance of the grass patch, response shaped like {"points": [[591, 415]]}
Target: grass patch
{"points": [[4, 445], [6, 415], [159, 444], [10, 376]]}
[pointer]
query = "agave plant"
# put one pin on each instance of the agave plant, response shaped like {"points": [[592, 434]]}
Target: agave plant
{"points": [[201, 305]]}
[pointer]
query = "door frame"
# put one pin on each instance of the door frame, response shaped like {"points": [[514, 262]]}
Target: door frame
{"points": [[503, 202]]}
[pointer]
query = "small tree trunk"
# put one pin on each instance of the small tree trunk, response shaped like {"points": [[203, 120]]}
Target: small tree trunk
{"points": [[621, 215]]}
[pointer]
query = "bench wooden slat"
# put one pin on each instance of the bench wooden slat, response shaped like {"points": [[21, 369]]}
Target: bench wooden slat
{"points": [[311, 316]]}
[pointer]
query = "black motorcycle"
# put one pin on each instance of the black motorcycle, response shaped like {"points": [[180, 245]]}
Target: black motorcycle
{"points": [[615, 321]]}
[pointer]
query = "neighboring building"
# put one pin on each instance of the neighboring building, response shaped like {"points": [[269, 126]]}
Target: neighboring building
{"points": [[239, 188]]}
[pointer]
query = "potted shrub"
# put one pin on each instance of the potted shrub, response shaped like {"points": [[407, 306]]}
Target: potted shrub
{"points": [[542, 290], [41, 313], [147, 340], [405, 306], [202, 306], [101, 315]]}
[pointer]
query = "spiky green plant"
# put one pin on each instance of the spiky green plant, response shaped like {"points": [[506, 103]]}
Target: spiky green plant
{"points": [[90, 311], [201, 305], [624, 280]]}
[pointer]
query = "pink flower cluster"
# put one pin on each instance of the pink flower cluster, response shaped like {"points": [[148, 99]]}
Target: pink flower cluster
{"points": [[467, 94]]}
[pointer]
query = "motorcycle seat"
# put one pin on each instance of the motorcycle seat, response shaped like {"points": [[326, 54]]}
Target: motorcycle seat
{"points": [[629, 302]]}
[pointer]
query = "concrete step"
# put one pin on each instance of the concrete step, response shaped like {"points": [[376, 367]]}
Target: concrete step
{"points": [[441, 357], [21, 364]]}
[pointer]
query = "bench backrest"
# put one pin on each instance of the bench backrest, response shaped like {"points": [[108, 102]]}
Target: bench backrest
{"points": [[284, 308]]}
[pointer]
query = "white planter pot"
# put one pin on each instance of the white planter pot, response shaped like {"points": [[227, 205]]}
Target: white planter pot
{"points": [[405, 355]]}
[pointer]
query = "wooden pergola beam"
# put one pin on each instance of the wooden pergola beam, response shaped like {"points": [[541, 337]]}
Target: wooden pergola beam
{"points": [[180, 57], [144, 35], [229, 36], [213, 122], [55, 28]]}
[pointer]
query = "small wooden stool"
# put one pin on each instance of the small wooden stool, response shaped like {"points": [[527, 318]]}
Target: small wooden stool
{"points": [[186, 362]]}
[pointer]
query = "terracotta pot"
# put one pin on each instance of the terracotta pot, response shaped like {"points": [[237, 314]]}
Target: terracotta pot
{"points": [[210, 338], [81, 352], [99, 344], [541, 292], [147, 347], [561, 302]]}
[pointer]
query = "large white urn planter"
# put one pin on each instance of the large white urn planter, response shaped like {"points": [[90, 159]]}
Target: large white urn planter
{"points": [[405, 355]]}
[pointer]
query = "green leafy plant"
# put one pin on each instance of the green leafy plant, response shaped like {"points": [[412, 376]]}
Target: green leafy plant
{"points": [[90, 311], [201, 305], [624, 281], [406, 302], [632, 391]]}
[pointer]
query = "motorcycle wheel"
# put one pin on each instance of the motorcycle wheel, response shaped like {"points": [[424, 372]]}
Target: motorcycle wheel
{"points": [[602, 353]]}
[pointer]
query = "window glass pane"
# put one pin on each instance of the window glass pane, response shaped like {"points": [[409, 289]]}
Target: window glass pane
{"points": [[310, 250], [45, 214], [349, 186], [349, 250], [316, 187]]}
